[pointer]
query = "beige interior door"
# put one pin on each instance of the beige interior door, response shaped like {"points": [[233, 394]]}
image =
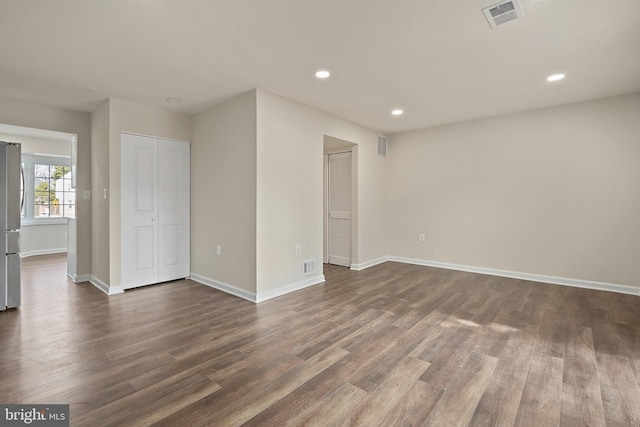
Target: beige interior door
{"points": [[339, 209]]}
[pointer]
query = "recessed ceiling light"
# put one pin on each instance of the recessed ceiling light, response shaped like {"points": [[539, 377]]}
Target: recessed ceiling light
{"points": [[397, 112], [555, 77], [174, 100], [90, 89], [322, 74]]}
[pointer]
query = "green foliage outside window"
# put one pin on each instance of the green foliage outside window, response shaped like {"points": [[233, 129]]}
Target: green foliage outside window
{"points": [[45, 192]]}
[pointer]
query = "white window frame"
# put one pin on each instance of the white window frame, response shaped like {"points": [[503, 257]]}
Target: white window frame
{"points": [[29, 160]]}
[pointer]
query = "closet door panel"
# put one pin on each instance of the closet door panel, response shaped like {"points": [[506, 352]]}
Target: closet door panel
{"points": [[144, 242], [174, 210], [139, 210]]}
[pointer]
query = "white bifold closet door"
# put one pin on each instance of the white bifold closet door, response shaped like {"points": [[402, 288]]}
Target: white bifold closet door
{"points": [[155, 206], [339, 209]]}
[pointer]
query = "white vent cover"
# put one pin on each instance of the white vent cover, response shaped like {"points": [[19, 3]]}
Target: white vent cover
{"points": [[382, 146], [308, 266], [503, 12]]}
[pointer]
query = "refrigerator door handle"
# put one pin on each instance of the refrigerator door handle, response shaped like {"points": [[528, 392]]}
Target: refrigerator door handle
{"points": [[23, 196], [13, 167]]}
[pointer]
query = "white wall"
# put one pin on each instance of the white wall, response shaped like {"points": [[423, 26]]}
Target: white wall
{"points": [[100, 181], [223, 203], [107, 122], [41, 239], [21, 113], [257, 169], [290, 188], [553, 192]]}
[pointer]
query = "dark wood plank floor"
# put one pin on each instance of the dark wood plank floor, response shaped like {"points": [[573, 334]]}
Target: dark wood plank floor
{"points": [[391, 345]]}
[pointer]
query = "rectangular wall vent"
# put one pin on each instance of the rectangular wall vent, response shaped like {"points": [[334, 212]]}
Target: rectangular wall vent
{"points": [[503, 12], [382, 146], [308, 266]]}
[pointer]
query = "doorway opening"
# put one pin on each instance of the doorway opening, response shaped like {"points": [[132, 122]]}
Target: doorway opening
{"points": [[340, 202], [48, 214]]}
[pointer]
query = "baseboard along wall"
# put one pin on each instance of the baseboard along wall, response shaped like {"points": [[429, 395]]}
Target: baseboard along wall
{"points": [[565, 281]]}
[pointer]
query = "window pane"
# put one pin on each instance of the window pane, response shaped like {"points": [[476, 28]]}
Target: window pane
{"points": [[53, 196], [42, 171], [69, 210], [41, 211]]}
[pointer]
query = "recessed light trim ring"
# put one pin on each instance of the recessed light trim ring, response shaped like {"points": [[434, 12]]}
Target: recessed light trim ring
{"points": [[555, 77]]}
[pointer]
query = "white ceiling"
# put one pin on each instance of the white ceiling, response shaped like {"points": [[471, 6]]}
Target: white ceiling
{"points": [[437, 59]]}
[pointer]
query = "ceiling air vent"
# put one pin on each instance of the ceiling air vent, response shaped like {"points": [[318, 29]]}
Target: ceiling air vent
{"points": [[503, 12], [382, 146]]}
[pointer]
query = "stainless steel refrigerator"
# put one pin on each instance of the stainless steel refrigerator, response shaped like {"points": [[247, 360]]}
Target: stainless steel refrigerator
{"points": [[10, 207]]}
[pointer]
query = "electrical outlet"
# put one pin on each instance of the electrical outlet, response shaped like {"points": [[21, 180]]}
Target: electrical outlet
{"points": [[421, 237], [219, 250], [298, 249]]}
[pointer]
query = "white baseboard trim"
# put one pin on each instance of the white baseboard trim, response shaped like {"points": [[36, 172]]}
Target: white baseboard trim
{"points": [[109, 290], [43, 252], [250, 296], [224, 287], [114, 290], [371, 263], [79, 278], [565, 281], [263, 296]]}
